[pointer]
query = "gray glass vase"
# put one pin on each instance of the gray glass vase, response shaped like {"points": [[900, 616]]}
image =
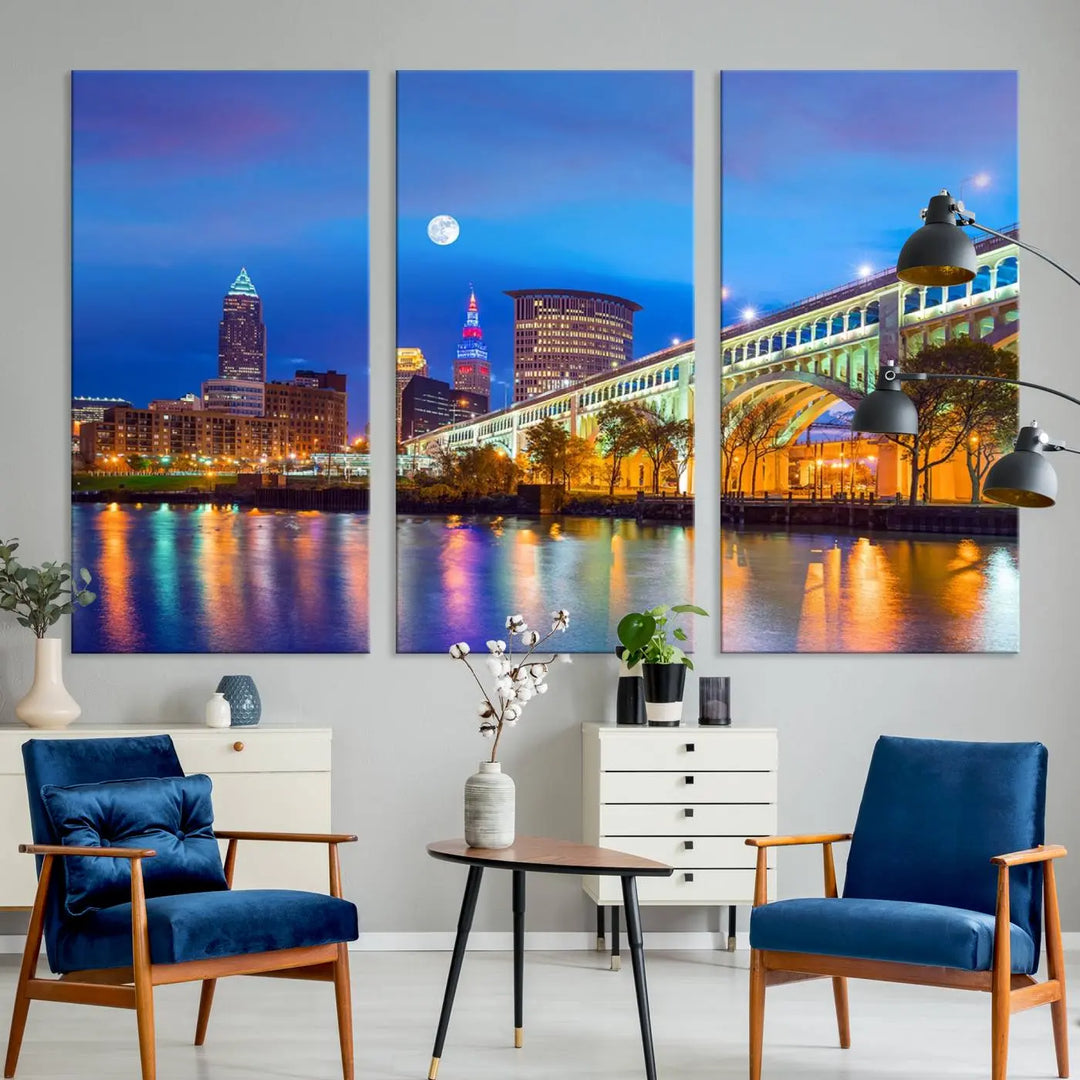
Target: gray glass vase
{"points": [[243, 698]]}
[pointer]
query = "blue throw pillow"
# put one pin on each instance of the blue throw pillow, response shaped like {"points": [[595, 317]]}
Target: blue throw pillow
{"points": [[171, 815]]}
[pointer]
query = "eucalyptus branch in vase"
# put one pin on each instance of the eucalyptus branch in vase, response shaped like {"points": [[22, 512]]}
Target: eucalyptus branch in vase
{"points": [[517, 679]]}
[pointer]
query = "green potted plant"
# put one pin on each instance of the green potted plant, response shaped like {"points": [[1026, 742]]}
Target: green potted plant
{"points": [[644, 636], [38, 597]]}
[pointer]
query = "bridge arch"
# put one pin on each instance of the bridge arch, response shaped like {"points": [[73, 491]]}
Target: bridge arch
{"points": [[806, 396]]}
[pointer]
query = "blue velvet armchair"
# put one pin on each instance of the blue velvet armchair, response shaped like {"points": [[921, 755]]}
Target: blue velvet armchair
{"points": [[945, 875], [132, 892]]}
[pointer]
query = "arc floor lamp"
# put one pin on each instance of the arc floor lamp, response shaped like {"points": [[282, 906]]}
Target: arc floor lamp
{"points": [[941, 253]]}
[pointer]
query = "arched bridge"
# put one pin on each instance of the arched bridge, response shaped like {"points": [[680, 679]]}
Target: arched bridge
{"points": [[823, 349]]}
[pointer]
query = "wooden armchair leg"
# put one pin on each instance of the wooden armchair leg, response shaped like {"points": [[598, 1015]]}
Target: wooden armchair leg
{"points": [[144, 986], [843, 1026], [1055, 968], [757, 1012], [1001, 981], [343, 996], [206, 1001], [31, 952]]}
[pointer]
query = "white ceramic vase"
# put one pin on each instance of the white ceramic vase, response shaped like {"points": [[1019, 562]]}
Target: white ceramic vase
{"points": [[218, 712], [48, 705], [489, 807]]}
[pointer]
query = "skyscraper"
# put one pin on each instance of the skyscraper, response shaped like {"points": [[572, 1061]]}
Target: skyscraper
{"points": [[241, 333], [562, 336], [410, 362], [472, 372]]}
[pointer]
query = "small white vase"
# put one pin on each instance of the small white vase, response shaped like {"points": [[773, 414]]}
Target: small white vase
{"points": [[218, 711], [489, 808], [48, 705]]}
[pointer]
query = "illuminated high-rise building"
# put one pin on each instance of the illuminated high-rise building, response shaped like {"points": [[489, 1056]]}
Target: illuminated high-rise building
{"points": [[472, 372], [241, 333], [410, 362], [562, 336]]}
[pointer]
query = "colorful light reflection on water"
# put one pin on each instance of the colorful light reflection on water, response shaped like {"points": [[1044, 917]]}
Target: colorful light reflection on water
{"points": [[460, 576], [826, 592], [221, 579]]}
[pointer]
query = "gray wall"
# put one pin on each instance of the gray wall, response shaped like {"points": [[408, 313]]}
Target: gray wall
{"points": [[404, 725]]}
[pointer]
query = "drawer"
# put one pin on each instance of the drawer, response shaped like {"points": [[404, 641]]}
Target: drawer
{"points": [[686, 749], [708, 852], [677, 787], [659, 819], [708, 887], [263, 751]]}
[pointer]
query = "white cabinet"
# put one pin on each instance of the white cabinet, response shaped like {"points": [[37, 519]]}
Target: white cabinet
{"points": [[688, 797], [274, 779]]}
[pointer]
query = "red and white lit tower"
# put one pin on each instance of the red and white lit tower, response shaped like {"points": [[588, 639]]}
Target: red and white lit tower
{"points": [[472, 371]]}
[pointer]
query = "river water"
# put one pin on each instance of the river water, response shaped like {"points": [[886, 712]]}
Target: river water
{"points": [[221, 579], [846, 592], [459, 576]]}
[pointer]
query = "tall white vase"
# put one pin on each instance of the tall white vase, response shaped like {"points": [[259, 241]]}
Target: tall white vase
{"points": [[489, 808], [48, 705]]}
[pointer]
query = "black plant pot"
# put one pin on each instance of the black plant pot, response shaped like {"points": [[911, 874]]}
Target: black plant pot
{"points": [[664, 685], [630, 701]]}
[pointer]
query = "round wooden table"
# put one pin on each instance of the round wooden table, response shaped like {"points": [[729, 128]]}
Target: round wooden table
{"points": [[543, 855]]}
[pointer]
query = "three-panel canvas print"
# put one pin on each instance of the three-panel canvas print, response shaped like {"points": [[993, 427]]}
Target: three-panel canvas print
{"points": [[545, 424]]}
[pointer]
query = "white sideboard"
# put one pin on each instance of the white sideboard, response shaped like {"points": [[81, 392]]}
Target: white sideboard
{"points": [[269, 778], [686, 796]]}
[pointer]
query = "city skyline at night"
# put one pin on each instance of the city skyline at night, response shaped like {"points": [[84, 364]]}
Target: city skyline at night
{"points": [[564, 180], [181, 178]]}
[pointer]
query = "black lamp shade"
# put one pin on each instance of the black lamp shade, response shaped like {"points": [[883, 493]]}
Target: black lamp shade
{"points": [[1022, 478], [939, 253], [886, 411]]}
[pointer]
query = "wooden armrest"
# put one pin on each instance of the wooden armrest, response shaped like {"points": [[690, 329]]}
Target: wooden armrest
{"points": [[791, 841], [287, 837], [1042, 853], [103, 852]]}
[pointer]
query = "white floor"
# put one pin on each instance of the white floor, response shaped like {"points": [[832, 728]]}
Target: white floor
{"points": [[580, 1021]]}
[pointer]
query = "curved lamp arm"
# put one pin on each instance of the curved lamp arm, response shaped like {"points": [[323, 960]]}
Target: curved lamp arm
{"points": [[892, 374], [963, 217]]}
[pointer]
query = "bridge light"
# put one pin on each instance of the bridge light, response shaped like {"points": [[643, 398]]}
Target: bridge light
{"points": [[865, 270], [725, 292], [748, 313]]}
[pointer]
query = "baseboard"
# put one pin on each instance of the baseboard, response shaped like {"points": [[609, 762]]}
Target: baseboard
{"points": [[535, 941]]}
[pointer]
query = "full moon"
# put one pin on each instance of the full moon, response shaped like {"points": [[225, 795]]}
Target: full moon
{"points": [[443, 229]]}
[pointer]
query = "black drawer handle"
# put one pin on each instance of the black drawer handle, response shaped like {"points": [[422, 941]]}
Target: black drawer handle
{"points": [[689, 747], [689, 779], [688, 812], [688, 877], [688, 845]]}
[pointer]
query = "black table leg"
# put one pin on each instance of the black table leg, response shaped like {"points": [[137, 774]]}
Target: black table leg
{"points": [[616, 955], [519, 955], [468, 907], [731, 927], [637, 959], [601, 943]]}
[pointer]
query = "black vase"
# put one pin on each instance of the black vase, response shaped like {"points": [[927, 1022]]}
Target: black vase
{"points": [[664, 684], [630, 702]]}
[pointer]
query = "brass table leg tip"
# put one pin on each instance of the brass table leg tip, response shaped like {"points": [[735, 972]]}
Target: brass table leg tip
{"points": [[601, 944], [731, 944], [519, 1038], [433, 1072], [616, 963]]}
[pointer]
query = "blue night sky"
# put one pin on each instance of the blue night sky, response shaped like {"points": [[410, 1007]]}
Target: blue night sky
{"points": [[826, 171], [579, 180], [181, 178]]}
